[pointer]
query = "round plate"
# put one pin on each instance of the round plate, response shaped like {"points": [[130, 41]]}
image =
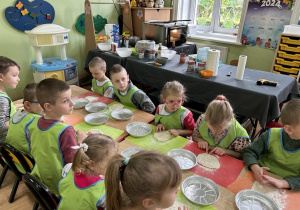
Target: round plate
{"points": [[138, 129], [131, 151], [116, 106], [80, 103], [122, 114], [185, 159], [95, 107], [96, 118], [200, 190], [251, 199]]}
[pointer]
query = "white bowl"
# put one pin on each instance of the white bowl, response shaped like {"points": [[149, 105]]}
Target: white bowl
{"points": [[168, 53], [124, 52], [104, 46]]}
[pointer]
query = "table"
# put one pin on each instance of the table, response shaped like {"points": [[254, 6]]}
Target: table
{"points": [[246, 98], [243, 180], [115, 129]]}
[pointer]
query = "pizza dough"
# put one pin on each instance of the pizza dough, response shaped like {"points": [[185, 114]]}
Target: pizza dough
{"points": [[91, 98], [162, 136], [208, 161], [175, 206], [94, 131], [116, 106]]}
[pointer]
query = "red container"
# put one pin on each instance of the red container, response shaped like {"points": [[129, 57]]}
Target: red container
{"points": [[182, 58]]}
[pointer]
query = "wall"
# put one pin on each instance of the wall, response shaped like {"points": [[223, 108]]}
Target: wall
{"points": [[15, 44]]}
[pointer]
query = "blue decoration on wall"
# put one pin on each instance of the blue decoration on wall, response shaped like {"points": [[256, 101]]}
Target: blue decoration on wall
{"points": [[26, 15]]}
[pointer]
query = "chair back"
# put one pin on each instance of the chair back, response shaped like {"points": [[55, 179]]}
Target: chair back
{"points": [[43, 195], [13, 155]]}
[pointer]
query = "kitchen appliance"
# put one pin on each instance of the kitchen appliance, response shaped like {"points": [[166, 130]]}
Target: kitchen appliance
{"points": [[166, 32]]}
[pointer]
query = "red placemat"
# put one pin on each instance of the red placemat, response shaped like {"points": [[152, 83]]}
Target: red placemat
{"points": [[99, 97], [229, 170], [292, 201]]}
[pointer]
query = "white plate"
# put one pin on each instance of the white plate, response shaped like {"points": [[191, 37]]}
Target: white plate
{"points": [[122, 114], [138, 129], [96, 118], [80, 103], [131, 151], [95, 107]]}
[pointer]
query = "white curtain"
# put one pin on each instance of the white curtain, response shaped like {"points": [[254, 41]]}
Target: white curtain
{"points": [[184, 10]]}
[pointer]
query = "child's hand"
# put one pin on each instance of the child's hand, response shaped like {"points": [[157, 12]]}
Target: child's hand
{"points": [[174, 132], [184, 208], [160, 127], [218, 151], [80, 136], [202, 144], [280, 183], [258, 171]]}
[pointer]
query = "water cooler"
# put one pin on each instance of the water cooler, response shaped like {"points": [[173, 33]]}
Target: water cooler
{"points": [[62, 67]]}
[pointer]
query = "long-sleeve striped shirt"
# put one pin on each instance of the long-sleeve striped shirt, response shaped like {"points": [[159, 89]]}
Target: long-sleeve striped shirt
{"points": [[4, 117]]}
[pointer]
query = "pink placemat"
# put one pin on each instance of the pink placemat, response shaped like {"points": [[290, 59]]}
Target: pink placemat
{"points": [[230, 168]]}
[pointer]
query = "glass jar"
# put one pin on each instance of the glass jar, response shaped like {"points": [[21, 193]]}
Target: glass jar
{"points": [[182, 58], [191, 66], [152, 54], [141, 54]]}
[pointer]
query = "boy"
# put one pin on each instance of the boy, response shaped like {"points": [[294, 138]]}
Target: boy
{"points": [[22, 118], [9, 78], [51, 139], [126, 92], [100, 83], [278, 150]]}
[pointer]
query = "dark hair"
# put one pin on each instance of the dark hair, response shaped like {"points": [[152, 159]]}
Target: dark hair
{"points": [[29, 92], [97, 62], [116, 69], [99, 146], [290, 113], [5, 63], [48, 90], [147, 175]]}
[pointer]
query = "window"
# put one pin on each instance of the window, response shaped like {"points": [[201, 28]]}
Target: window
{"points": [[216, 20]]}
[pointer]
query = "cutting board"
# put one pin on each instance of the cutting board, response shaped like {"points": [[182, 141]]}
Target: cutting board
{"points": [[148, 142], [246, 181], [98, 98], [114, 133], [229, 170]]}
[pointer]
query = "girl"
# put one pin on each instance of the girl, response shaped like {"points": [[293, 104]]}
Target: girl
{"points": [[148, 180], [171, 116], [217, 129], [83, 187]]}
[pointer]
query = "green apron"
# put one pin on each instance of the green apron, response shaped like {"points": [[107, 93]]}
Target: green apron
{"points": [[127, 99], [281, 162], [171, 121], [100, 89]]}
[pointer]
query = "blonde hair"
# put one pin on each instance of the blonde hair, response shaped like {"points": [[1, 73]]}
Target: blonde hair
{"points": [[290, 113], [99, 146], [173, 88], [97, 62], [219, 111], [147, 175]]}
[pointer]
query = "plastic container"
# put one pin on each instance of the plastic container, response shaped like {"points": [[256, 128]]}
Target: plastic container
{"points": [[202, 53], [182, 58], [191, 66]]}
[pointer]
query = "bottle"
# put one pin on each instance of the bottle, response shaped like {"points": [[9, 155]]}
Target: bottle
{"points": [[159, 50], [173, 45]]}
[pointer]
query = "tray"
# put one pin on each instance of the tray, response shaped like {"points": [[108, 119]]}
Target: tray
{"points": [[80, 103], [185, 159], [251, 199], [95, 107], [131, 151], [122, 114], [96, 118], [138, 129], [200, 190]]}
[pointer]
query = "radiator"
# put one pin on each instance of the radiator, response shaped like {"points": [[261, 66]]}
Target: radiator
{"points": [[223, 50]]}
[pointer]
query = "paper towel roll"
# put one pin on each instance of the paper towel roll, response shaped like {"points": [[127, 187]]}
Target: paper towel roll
{"points": [[212, 63], [241, 67]]}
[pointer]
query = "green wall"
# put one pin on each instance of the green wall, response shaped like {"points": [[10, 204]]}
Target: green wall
{"points": [[15, 44]]}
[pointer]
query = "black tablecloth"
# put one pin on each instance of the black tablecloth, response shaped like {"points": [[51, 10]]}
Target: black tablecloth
{"points": [[247, 98]]}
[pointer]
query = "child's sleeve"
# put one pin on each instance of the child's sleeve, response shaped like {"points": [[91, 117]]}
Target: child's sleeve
{"points": [[259, 148], [294, 182], [196, 132], [189, 122], [67, 140], [143, 101], [109, 92]]}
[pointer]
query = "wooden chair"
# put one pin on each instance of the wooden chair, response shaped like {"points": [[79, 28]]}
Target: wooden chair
{"points": [[234, 62], [12, 156], [43, 195]]}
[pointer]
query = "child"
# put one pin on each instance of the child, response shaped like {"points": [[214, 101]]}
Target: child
{"points": [[218, 129], [171, 115], [9, 71], [83, 186], [51, 140], [126, 92], [278, 150], [16, 135], [100, 83], [148, 180]]}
